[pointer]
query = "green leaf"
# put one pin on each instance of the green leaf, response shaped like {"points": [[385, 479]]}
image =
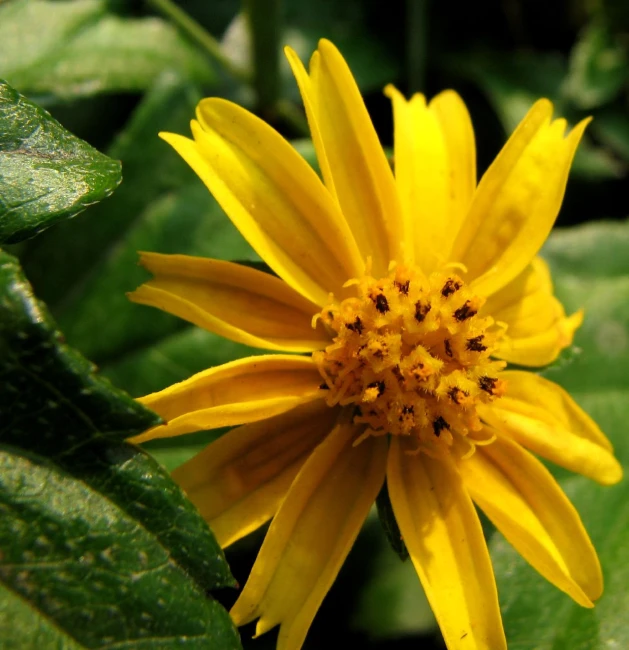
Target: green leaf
{"points": [[591, 270], [77, 49], [98, 540], [163, 207], [597, 68], [389, 523], [514, 83], [46, 174], [391, 601], [611, 127]]}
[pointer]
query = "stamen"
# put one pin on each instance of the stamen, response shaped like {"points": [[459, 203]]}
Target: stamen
{"points": [[450, 287], [409, 359]]}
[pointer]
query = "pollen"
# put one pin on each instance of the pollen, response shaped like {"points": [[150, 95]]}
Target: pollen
{"points": [[411, 356]]}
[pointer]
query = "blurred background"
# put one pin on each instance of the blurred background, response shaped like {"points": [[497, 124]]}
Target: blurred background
{"points": [[116, 73]]}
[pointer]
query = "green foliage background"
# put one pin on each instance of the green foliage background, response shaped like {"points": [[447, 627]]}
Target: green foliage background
{"points": [[112, 538]]}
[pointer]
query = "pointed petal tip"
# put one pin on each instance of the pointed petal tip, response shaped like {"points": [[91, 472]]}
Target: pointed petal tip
{"points": [[576, 133], [171, 138]]}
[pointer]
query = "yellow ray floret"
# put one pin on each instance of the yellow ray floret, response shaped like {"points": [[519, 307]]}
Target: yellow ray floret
{"points": [[411, 288]]}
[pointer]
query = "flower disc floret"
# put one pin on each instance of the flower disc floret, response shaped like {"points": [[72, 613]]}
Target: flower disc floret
{"points": [[412, 356]]}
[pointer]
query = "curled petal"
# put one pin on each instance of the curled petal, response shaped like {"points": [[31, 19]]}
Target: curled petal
{"points": [[538, 328], [435, 171], [312, 534], [542, 417], [231, 300], [517, 200], [242, 391], [239, 481], [273, 197], [311, 103], [527, 505], [353, 161]]}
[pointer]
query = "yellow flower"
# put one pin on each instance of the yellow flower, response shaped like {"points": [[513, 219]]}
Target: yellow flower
{"points": [[411, 292]]}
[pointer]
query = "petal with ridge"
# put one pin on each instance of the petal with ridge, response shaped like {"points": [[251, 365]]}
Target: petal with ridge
{"points": [[232, 300], [238, 392], [311, 535], [542, 417], [273, 197], [538, 328], [362, 178], [517, 200], [239, 481], [435, 171], [527, 505], [445, 541]]}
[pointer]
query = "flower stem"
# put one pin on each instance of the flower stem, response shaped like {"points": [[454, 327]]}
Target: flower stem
{"points": [[268, 98], [200, 36], [416, 41], [264, 19]]}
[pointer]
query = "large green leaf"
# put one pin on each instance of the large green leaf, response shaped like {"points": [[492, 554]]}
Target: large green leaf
{"points": [[591, 270], [76, 49], [163, 207], [99, 546], [391, 602], [598, 68], [515, 82], [46, 174]]}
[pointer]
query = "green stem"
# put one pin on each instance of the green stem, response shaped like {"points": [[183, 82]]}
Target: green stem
{"points": [[196, 33], [285, 109], [292, 115], [265, 19], [416, 42]]}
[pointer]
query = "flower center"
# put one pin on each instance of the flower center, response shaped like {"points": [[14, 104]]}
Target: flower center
{"points": [[411, 356]]}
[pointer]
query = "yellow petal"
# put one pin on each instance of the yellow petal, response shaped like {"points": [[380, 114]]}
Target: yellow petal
{"points": [[527, 505], [361, 175], [538, 328], [311, 535], [517, 200], [445, 541], [311, 104], [273, 197], [232, 300], [542, 417], [435, 171], [242, 391], [239, 481]]}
